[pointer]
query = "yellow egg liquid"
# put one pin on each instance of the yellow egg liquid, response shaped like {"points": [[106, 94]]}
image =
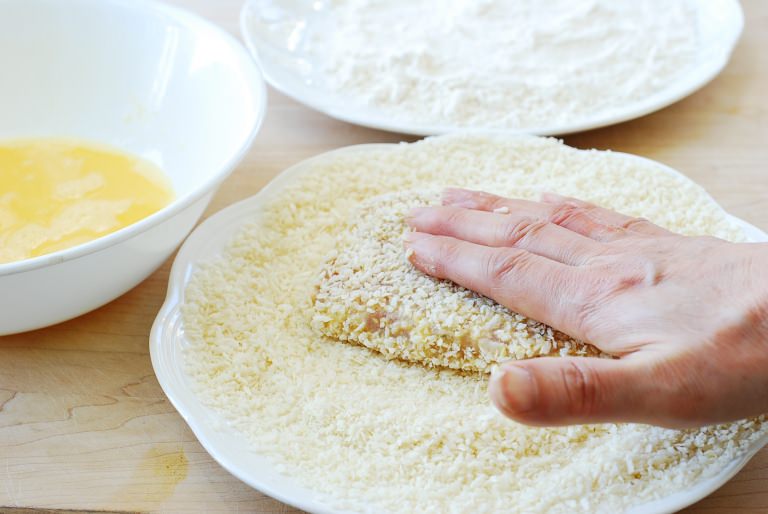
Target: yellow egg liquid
{"points": [[55, 194]]}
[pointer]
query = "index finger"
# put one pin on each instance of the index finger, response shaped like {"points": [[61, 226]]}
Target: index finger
{"points": [[534, 286]]}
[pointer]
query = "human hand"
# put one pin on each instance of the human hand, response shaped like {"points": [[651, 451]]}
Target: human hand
{"points": [[686, 317]]}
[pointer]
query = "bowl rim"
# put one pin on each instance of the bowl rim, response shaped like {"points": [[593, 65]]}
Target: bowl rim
{"points": [[259, 89]]}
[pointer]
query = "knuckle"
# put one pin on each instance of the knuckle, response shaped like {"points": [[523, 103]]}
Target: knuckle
{"points": [[565, 212], [635, 224], [581, 387], [487, 200], [639, 271], [514, 231], [493, 201], [610, 281], [500, 265], [497, 203], [627, 272]]}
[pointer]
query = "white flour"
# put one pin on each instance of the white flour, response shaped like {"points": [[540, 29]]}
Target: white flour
{"points": [[505, 63]]}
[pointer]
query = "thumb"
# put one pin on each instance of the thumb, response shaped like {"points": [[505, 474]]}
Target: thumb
{"points": [[571, 390]]}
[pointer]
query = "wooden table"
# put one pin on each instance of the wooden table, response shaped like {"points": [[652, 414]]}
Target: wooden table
{"points": [[84, 424]]}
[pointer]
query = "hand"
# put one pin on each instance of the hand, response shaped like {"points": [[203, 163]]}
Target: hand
{"points": [[686, 317]]}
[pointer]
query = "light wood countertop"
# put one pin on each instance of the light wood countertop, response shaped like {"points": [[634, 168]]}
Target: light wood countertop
{"points": [[84, 424]]}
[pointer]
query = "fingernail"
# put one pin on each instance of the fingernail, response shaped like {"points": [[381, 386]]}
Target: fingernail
{"points": [[413, 237], [512, 389], [418, 254]]}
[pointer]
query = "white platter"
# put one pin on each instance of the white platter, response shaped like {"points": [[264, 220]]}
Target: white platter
{"points": [[275, 31], [230, 448]]}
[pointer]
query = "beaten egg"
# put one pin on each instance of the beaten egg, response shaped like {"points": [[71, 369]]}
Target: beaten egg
{"points": [[55, 194]]}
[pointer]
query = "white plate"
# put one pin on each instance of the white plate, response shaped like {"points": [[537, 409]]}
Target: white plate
{"points": [[274, 32], [227, 446]]}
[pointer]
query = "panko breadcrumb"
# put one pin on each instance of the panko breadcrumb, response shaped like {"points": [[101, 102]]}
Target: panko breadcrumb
{"points": [[371, 295], [369, 434]]}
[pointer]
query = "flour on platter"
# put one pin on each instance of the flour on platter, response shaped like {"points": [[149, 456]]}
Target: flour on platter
{"points": [[505, 63]]}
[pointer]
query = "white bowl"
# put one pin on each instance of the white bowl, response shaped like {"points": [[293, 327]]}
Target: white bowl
{"points": [[149, 79]]}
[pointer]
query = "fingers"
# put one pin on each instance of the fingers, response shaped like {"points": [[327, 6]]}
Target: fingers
{"points": [[552, 391], [499, 230], [605, 216], [482, 201], [575, 215], [532, 285]]}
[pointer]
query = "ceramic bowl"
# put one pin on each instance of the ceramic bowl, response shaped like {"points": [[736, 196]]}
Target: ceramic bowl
{"points": [[149, 79]]}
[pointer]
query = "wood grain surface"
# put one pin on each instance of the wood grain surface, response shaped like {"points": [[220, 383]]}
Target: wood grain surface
{"points": [[84, 425]]}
